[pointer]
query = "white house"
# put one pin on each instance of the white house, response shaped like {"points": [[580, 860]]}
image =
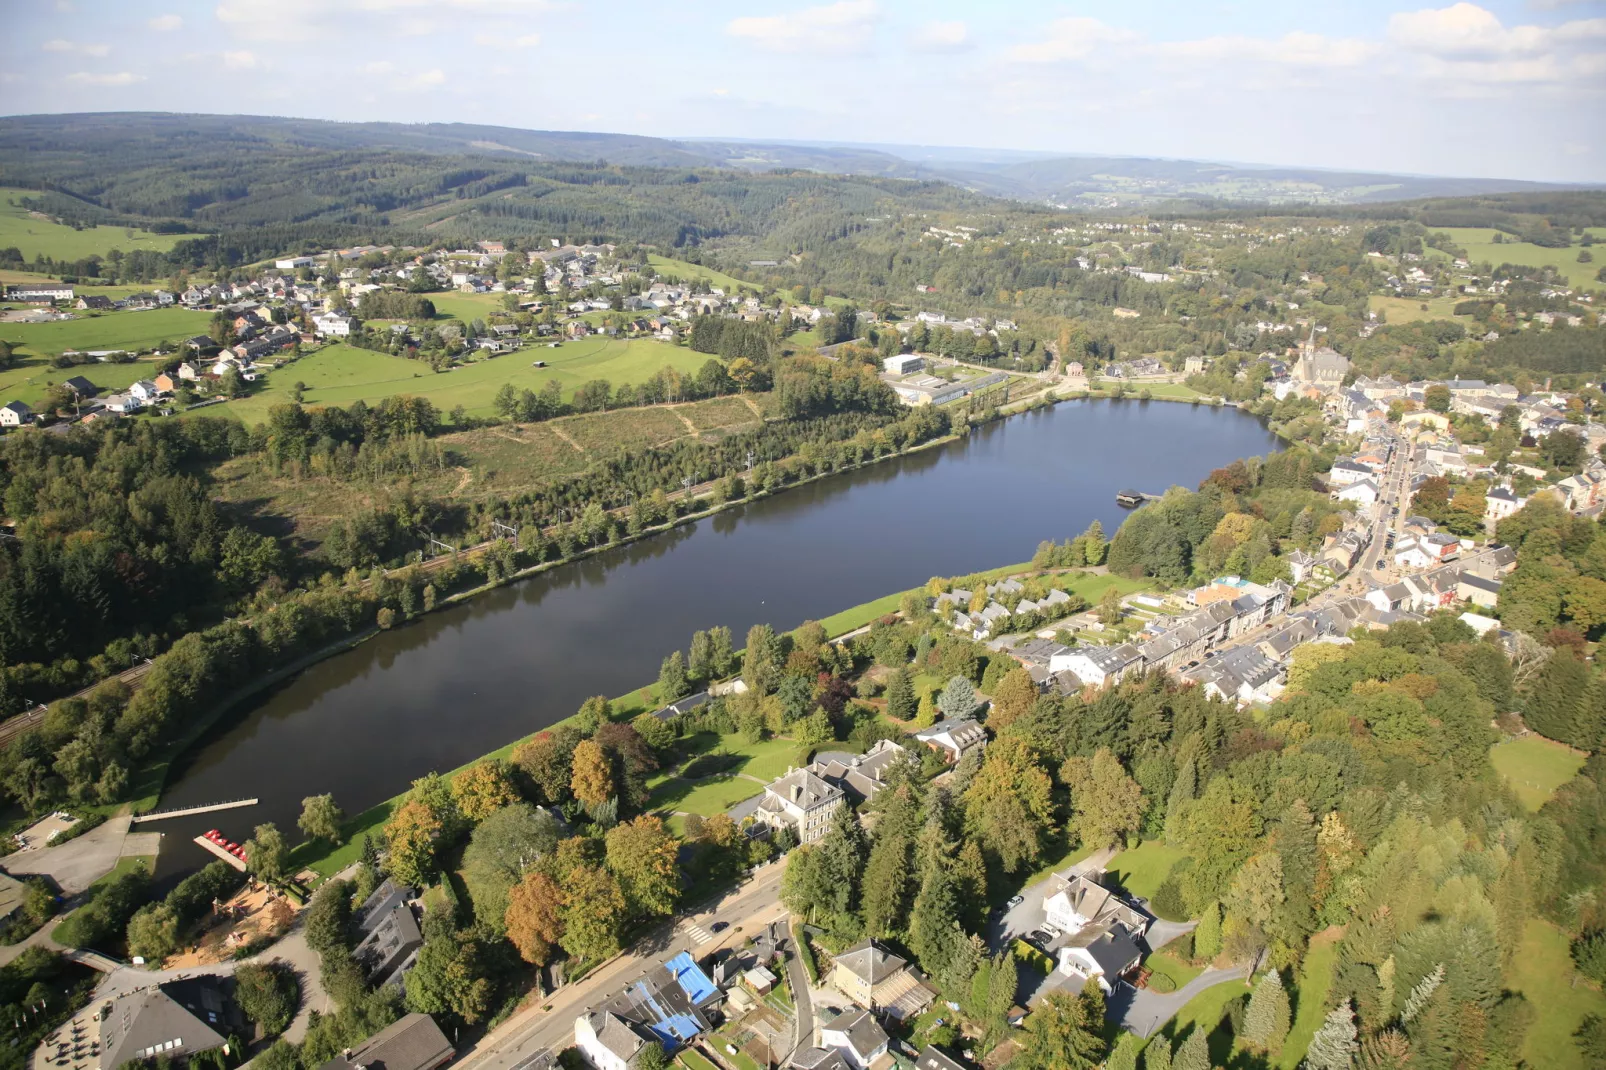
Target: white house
{"points": [[903, 364], [1364, 492], [952, 738], [332, 324], [607, 1040], [1345, 472], [15, 414], [857, 1036], [1099, 665], [145, 390], [1500, 503]]}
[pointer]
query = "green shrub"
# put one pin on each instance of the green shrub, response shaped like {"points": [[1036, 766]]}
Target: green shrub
{"points": [[1162, 982]]}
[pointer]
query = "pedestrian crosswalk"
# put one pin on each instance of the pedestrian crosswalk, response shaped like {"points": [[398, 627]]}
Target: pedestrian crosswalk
{"points": [[699, 935]]}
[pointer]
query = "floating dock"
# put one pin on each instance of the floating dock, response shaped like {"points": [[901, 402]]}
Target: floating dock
{"points": [[186, 811]]}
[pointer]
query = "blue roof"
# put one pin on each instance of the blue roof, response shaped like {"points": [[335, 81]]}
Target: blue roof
{"points": [[693, 981]]}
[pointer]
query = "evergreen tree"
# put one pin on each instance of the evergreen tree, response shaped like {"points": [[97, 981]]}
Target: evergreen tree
{"points": [[1335, 1043], [673, 684], [900, 696], [842, 855], [1267, 1018], [1157, 1055], [1193, 1053], [1207, 937], [1421, 993], [958, 699], [887, 875]]}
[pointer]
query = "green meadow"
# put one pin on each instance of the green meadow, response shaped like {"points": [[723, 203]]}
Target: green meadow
{"points": [[341, 374], [34, 235]]}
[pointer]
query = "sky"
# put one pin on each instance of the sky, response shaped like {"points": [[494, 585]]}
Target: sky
{"points": [[1492, 89]]}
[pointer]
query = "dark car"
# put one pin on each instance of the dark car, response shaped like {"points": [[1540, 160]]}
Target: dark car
{"points": [[719, 926]]}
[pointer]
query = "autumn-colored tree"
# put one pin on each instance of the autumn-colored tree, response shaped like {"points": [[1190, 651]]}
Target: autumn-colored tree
{"points": [[1106, 802], [548, 760], [1012, 699], [1110, 611], [483, 788], [642, 855], [1009, 804], [412, 833], [594, 911], [592, 780], [534, 917]]}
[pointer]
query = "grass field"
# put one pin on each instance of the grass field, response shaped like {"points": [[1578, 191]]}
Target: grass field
{"points": [[340, 374], [1535, 767], [1543, 972], [30, 379], [1481, 248], [1309, 991], [108, 330], [1205, 1011], [34, 235], [687, 272], [1143, 869], [1180, 973], [1407, 309]]}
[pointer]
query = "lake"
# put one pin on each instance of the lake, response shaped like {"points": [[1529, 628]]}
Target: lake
{"points": [[459, 683]]}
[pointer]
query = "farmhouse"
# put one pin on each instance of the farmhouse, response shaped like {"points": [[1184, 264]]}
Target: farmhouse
{"points": [[15, 414]]}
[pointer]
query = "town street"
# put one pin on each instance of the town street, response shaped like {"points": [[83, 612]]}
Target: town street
{"points": [[530, 1032]]}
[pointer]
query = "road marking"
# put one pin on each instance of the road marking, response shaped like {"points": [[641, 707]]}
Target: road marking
{"points": [[698, 934]]}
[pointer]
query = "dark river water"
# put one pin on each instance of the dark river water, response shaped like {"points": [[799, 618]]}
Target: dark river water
{"points": [[465, 681]]}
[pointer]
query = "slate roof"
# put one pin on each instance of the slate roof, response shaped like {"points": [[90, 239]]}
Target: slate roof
{"points": [[414, 1042], [174, 1019], [390, 934], [862, 1030], [870, 962]]}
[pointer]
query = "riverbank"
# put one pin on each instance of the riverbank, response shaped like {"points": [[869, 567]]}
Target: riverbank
{"points": [[503, 661], [371, 822], [150, 780]]}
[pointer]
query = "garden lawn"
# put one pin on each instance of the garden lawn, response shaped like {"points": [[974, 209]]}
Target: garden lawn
{"points": [[1535, 767], [1143, 869], [691, 1060], [1309, 993], [133, 331], [1542, 971], [1170, 390], [752, 765], [1164, 963], [341, 374], [34, 235]]}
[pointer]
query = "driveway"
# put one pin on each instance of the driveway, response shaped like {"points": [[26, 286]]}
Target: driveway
{"points": [[1143, 1011], [803, 1034], [1027, 915]]}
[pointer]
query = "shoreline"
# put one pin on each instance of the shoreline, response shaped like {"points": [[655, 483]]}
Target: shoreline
{"points": [[154, 780]]}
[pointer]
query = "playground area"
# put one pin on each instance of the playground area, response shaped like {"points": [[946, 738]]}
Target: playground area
{"points": [[253, 916]]}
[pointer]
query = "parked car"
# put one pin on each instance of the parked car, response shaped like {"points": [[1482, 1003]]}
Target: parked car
{"points": [[1016, 901]]}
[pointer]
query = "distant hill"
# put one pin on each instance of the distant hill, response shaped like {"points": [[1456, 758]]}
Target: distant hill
{"points": [[60, 149]]}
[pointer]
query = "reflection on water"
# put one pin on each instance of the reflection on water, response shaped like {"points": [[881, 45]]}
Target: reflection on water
{"points": [[466, 680]]}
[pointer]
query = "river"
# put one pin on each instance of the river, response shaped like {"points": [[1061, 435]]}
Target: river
{"points": [[461, 682]]}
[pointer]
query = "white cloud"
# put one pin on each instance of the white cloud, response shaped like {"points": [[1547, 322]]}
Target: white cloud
{"points": [[1463, 29], [165, 23], [493, 40], [241, 60], [1297, 49], [942, 37], [91, 78], [842, 26], [379, 66], [435, 76], [1072, 39], [61, 45]]}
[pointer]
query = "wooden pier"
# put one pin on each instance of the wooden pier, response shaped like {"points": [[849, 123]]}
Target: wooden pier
{"points": [[186, 811]]}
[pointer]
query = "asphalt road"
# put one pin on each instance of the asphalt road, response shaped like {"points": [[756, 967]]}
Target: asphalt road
{"points": [[746, 908]]}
